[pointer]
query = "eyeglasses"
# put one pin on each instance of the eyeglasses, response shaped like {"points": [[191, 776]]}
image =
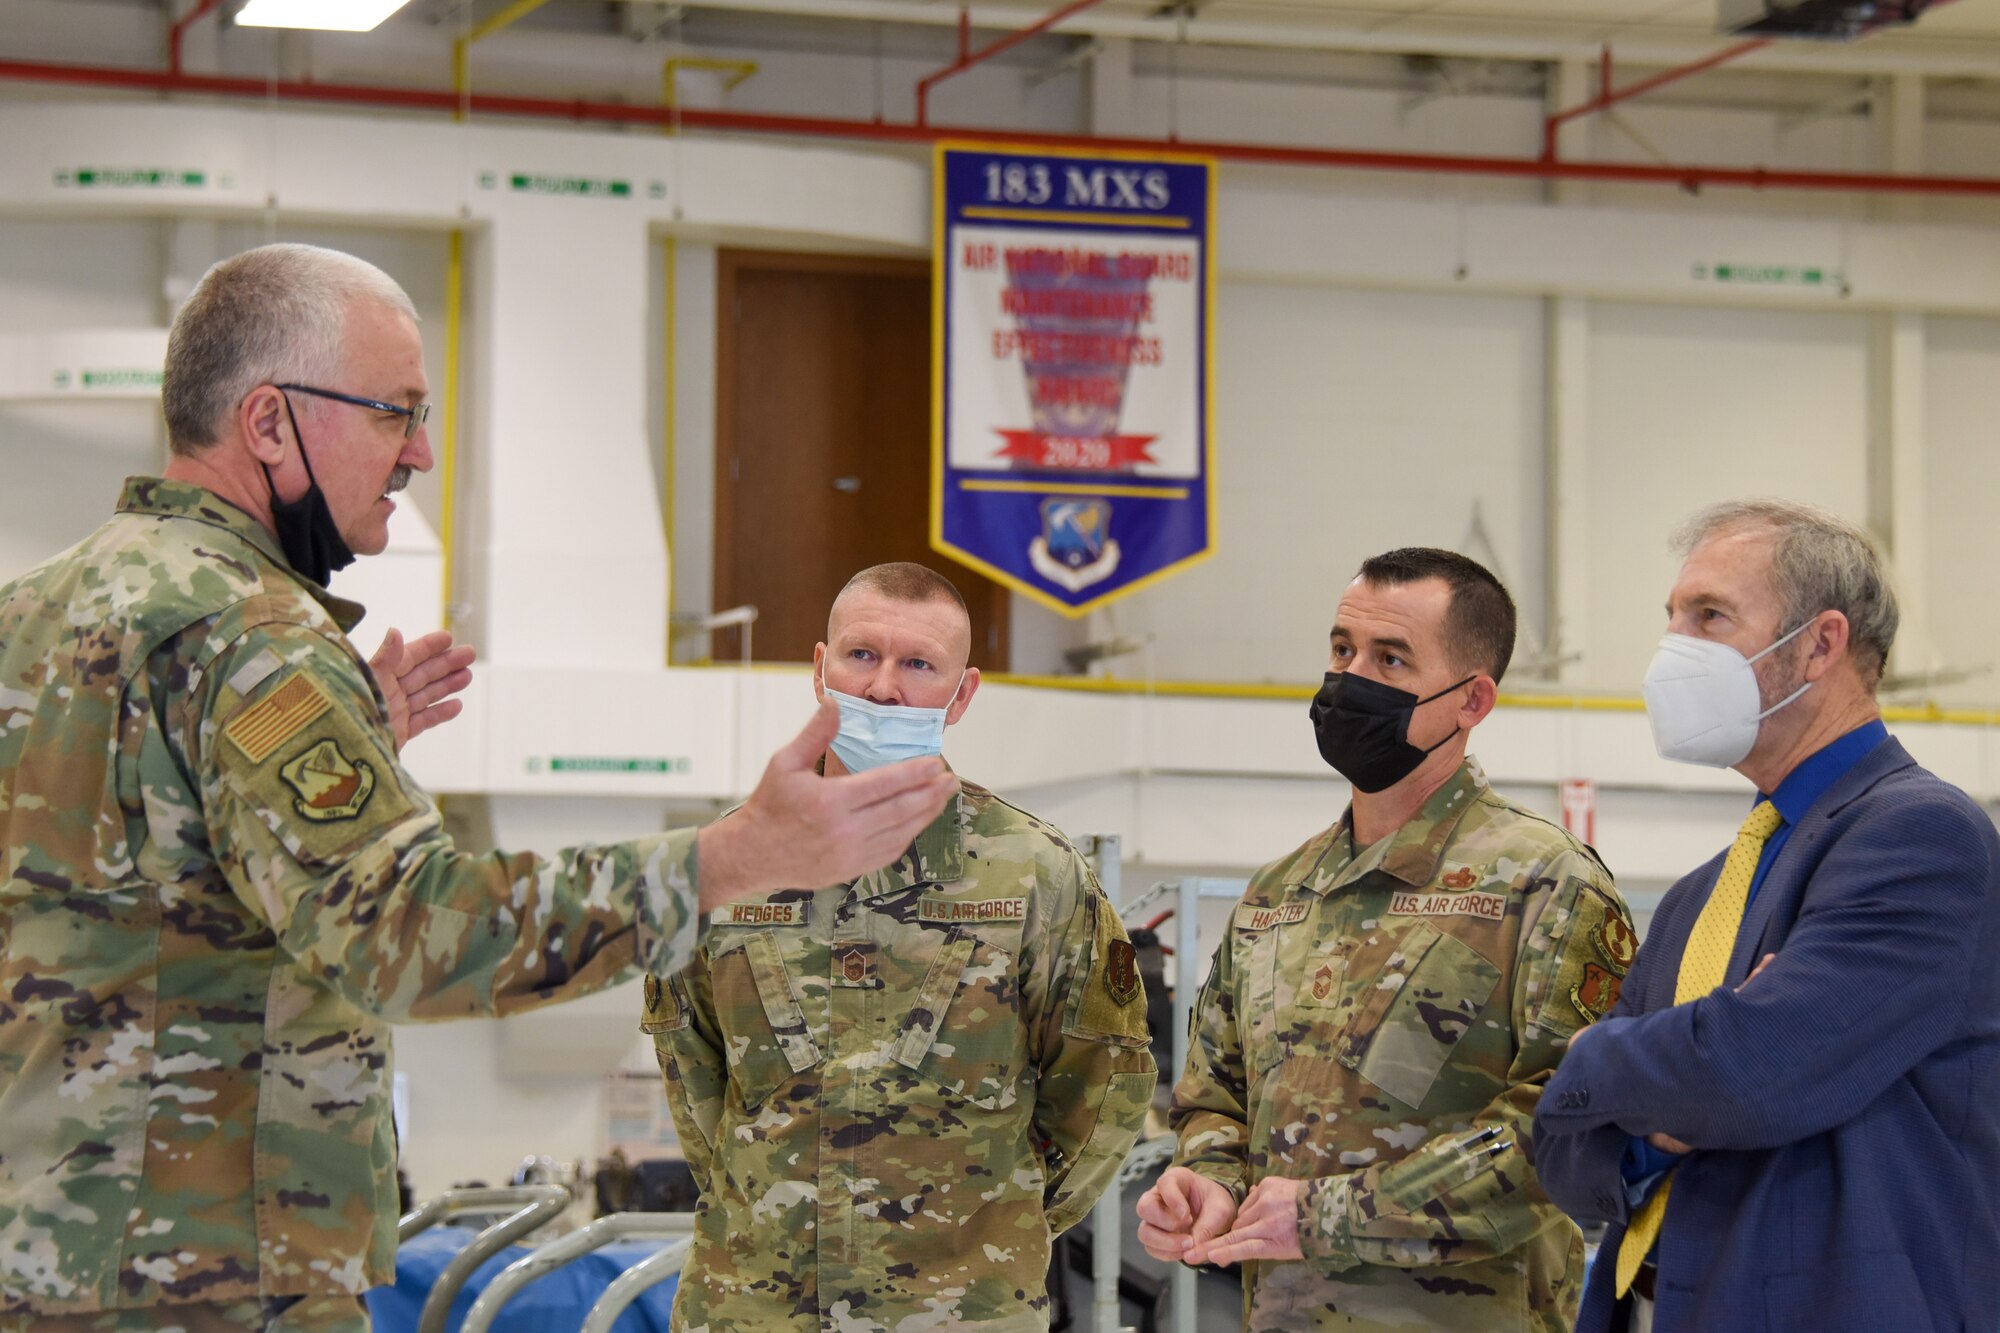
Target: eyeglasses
{"points": [[413, 417]]}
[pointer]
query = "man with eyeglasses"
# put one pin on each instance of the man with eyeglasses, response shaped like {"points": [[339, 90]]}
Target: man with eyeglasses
{"points": [[218, 887]]}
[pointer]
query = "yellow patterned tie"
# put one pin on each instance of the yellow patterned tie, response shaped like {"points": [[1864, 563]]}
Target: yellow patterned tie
{"points": [[1703, 965]]}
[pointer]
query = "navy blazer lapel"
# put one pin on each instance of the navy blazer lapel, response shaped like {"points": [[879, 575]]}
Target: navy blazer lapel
{"points": [[1786, 881]]}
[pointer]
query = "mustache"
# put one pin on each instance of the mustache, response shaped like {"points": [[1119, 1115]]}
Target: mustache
{"points": [[397, 480]]}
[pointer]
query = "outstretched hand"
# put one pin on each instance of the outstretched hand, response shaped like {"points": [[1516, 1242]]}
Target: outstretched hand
{"points": [[802, 830], [417, 681]]}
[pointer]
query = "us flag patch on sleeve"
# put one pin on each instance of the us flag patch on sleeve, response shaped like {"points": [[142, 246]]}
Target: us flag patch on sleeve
{"points": [[279, 716]]}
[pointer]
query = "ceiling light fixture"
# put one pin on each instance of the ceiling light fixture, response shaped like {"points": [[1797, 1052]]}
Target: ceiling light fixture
{"points": [[325, 15]]}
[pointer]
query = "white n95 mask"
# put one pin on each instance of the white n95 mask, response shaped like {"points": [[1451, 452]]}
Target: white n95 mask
{"points": [[1702, 699], [873, 734]]}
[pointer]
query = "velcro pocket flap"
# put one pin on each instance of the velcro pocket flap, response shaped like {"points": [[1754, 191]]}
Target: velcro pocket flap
{"points": [[925, 1018], [1413, 1026], [781, 1002]]}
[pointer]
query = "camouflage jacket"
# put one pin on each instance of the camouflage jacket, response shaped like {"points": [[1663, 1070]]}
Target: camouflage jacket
{"points": [[894, 1092], [219, 888], [1381, 1025]]}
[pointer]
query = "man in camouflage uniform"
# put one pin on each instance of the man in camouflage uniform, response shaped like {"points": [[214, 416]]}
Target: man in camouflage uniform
{"points": [[219, 885], [895, 1091], [1391, 998]]}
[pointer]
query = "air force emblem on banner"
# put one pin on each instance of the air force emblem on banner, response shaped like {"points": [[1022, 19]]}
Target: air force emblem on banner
{"points": [[1075, 549]]}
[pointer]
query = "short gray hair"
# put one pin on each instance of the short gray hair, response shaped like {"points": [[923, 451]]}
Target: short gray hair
{"points": [[1819, 562], [273, 315]]}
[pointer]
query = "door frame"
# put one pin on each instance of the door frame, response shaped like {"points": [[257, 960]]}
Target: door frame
{"points": [[729, 263]]}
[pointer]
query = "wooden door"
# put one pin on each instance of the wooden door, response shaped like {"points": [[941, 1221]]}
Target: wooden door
{"points": [[823, 454]]}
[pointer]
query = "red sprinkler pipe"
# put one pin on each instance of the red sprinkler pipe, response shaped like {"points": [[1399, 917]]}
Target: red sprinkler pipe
{"points": [[694, 118], [179, 30], [1608, 97], [967, 59]]}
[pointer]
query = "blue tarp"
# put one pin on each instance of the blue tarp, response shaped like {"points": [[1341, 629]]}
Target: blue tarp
{"points": [[559, 1300]]}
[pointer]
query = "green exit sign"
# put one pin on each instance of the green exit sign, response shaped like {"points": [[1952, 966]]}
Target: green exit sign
{"points": [[1769, 275], [121, 379], [608, 764], [131, 178], [584, 187]]}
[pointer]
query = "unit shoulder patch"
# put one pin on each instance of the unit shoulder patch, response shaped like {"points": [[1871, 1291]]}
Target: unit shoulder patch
{"points": [[1104, 1003], [1121, 971], [326, 784], [1618, 941], [1584, 949], [1597, 990], [318, 778], [664, 1011]]}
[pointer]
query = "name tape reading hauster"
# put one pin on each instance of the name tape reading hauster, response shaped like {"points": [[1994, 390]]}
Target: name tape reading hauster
{"points": [[763, 914], [1486, 906], [1263, 918], [970, 909]]}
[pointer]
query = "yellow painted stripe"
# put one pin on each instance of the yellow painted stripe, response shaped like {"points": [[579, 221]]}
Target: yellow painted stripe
{"points": [[1077, 488], [1217, 689], [1056, 215]]}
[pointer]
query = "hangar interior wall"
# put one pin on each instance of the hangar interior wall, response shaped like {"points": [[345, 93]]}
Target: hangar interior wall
{"points": [[1365, 398]]}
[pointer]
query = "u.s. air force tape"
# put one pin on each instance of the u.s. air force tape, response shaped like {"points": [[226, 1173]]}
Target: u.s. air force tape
{"points": [[960, 911]]}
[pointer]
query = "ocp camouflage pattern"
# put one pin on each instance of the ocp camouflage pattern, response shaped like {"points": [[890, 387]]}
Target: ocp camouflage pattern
{"points": [[219, 890], [895, 1092], [1381, 1026]]}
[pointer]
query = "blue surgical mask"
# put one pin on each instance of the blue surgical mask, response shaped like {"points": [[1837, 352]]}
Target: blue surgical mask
{"points": [[873, 734]]}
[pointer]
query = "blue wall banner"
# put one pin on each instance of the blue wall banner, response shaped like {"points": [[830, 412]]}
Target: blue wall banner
{"points": [[1072, 302]]}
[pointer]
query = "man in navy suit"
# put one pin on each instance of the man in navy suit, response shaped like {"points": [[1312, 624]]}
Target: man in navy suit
{"points": [[1791, 1118]]}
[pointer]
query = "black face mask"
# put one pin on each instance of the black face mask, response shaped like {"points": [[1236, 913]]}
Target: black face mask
{"points": [[312, 541], [1363, 728]]}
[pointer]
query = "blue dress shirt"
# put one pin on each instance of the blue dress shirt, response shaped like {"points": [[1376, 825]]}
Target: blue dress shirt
{"points": [[1643, 1164]]}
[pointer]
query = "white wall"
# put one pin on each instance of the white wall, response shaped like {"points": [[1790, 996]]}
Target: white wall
{"points": [[1962, 414], [1690, 405], [84, 273], [1349, 422], [66, 460]]}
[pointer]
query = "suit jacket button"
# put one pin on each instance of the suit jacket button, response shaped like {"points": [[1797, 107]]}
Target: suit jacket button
{"points": [[1583, 1096]]}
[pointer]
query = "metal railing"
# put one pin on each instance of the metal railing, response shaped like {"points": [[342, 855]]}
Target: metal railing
{"points": [[625, 1288], [677, 1228], [527, 1209], [692, 623], [1107, 1228]]}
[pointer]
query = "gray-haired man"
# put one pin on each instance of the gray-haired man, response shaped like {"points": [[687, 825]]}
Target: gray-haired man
{"points": [[219, 885], [1789, 1117]]}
